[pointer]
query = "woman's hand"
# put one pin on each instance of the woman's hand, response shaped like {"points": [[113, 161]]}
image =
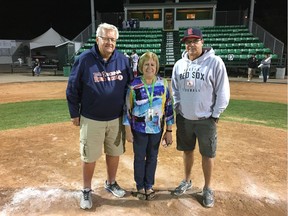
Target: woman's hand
{"points": [[167, 139], [129, 135]]}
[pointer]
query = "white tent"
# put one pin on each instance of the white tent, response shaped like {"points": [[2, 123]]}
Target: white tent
{"points": [[49, 38]]}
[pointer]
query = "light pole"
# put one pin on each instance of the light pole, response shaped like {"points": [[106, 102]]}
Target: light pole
{"points": [[251, 14], [92, 16]]}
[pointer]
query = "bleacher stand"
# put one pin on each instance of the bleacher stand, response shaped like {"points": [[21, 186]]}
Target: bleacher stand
{"points": [[233, 43]]}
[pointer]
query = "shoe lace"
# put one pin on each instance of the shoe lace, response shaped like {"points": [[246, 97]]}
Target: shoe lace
{"points": [[208, 194], [86, 194], [115, 186], [182, 184]]}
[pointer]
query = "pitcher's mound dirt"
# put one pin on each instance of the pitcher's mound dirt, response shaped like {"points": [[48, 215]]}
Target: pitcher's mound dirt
{"points": [[40, 167]]}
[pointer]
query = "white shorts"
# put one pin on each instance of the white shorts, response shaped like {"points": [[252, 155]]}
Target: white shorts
{"points": [[134, 66]]}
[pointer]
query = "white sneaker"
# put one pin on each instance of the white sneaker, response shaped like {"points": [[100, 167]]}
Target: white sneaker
{"points": [[208, 198], [86, 199], [182, 188], [115, 189]]}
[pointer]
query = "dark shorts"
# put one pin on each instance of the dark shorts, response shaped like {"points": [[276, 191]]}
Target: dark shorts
{"points": [[205, 131]]}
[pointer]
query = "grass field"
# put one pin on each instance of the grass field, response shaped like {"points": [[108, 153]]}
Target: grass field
{"points": [[32, 113]]}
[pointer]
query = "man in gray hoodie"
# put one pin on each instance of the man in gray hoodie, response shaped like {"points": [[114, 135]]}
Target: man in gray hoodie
{"points": [[201, 93]]}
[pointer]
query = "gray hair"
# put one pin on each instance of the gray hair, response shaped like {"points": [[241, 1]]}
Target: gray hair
{"points": [[105, 26]]}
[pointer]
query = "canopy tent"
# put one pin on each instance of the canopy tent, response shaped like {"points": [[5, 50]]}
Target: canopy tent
{"points": [[49, 38]]}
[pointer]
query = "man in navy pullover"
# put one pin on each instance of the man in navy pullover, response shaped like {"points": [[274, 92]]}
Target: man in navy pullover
{"points": [[96, 94]]}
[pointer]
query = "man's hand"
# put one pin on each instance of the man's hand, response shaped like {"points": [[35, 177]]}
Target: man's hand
{"points": [[76, 121]]}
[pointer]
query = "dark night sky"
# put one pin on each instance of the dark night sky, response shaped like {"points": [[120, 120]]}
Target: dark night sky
{"points": [[28, 19]]}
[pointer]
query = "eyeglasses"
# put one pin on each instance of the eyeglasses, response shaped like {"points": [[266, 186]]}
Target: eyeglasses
{"points": [[187, 42], [106, 39]]}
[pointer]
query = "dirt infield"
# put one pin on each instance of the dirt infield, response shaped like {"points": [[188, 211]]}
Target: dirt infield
{"points": [[40, 167]]}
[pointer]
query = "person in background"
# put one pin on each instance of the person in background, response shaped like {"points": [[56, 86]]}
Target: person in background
{"points": [[252, 66], [201, 92], [266, 62], [20, 60], [124, 25], [37, 68], [125, 54], [148, 108], [96, 95], [134, 60]]}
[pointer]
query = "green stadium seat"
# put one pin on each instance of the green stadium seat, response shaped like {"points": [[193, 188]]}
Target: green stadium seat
{"points": [[231, 39]]}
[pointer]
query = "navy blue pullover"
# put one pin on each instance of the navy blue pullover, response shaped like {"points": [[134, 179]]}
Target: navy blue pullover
{"points": [[96, 89]]}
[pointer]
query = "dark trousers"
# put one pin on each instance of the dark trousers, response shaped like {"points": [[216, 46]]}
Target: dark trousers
{"points": [[265, 72], [146, 148]]}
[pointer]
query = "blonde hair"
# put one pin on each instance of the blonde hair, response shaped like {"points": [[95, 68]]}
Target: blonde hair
{"points": [[145, 57], [104, 27]]}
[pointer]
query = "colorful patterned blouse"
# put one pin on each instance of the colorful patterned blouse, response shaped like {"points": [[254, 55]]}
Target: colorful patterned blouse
{"points": [[145, 111]]}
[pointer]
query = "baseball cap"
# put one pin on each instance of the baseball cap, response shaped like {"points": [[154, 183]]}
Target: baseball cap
{"points": [[192, 33]]}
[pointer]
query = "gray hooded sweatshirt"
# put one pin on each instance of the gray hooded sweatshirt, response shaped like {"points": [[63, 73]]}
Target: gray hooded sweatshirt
{"points": [[200, 87]]}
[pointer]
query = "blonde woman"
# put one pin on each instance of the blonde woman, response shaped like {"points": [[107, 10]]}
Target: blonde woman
{"points": [[148, 107]]}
